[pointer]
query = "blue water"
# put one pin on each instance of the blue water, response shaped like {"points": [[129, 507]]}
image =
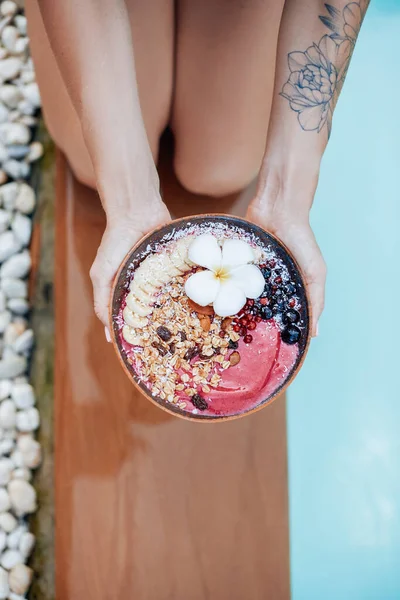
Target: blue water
{"points": [[344, 408]]}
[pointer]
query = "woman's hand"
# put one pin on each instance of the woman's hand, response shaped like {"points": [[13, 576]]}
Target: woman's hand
{"points": [[293, 228], [122, 232]]}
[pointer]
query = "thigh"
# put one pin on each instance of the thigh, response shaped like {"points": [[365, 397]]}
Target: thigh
{"points": [[225, 68], [152, 25]]}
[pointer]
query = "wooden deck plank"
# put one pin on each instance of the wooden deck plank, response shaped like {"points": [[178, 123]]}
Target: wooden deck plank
{"points": [[150, 507]]}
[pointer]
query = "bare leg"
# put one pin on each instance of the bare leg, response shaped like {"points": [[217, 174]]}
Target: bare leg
{"points": [[153, 31], [225, 73]]}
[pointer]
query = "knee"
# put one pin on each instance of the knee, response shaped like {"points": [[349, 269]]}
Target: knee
{"points": [[217, 178]]}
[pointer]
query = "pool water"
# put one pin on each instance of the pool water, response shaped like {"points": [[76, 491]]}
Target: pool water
{"points": [[344, 408]]}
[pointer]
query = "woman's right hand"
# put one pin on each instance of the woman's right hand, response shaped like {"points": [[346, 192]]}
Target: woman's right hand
{"points": [[121, 234]]}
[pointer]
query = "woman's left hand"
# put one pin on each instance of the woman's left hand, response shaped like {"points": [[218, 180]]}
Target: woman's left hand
{"points": [[295, 232]]}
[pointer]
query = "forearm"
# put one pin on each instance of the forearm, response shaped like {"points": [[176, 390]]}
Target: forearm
{"points": [[316, 42], [92, 44]]}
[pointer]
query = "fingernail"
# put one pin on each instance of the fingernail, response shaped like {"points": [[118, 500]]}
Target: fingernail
{"points": [[108, 336], [317, 330]]}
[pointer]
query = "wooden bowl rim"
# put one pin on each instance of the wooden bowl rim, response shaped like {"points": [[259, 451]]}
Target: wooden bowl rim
{"points": [[189, 416]]}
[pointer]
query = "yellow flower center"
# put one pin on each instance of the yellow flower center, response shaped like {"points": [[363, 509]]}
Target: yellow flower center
{"points": [[222, 273]]}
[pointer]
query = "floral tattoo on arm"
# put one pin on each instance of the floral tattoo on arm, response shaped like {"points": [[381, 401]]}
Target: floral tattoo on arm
{"points": [[317, 74]]}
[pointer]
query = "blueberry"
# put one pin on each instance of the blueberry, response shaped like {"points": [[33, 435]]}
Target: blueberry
{"points": [[291, 316], [266, 313], [279, 306], [266, 292], [290, 289], [278, 294], [266, 273], [291, 334], [232, 345]]}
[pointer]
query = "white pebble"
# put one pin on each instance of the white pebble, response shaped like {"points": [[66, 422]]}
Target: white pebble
{"points": [[9, 245], [26, 544], [5, 318], [35, 152], [9, 37], [24, 342], [5, 389], [5, 219], [17, 459], [22, 473], [5, 503], [25, 200], [7, 414], [12, 332], [28, 120], [6, 467], [10, 68], [20, 579], [14, 133], [14, 538], [4, 587], [8, 8], [28, 420], [30, 451], [21, 23], [14, 288], [3, 540], [32, 94], [16, 266], [13, 596], [18, 306], [2, 301], [8, 522], [8, 195], [10, 558], [23, 396], [16, 169], [6, 446], [3, 149], [22, 496], [12, 366], [26, 108], [10, 95], [21, 45], [22, 228], [4, 117]]}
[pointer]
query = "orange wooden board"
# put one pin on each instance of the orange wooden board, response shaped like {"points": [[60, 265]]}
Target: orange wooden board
{"points": [[150, 507]]}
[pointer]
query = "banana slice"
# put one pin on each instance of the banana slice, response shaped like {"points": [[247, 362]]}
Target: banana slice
{"points": [[160, 268], [181, 250], [142, 280], [129, 336], [132, 319], [137, 307], [141, 294], [178, 263]]}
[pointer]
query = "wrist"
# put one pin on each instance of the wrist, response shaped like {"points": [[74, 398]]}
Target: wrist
{"points": [[285, 193]]}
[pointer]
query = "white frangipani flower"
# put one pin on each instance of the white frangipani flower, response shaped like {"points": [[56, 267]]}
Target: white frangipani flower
{"points": [[229, 279]]}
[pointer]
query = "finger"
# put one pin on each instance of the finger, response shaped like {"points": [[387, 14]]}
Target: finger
{"points": [[101, 293], [316, 291]]}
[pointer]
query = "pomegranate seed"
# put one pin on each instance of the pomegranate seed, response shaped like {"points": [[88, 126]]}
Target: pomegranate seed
{"points": [[250, 302], [248, 339], [292, 302], [252, 326], [250, 317], [258, 319], [236, 328], [244, 321], [222, 334], [272, 263], [243, 331], [264, 301], [278, 280]]}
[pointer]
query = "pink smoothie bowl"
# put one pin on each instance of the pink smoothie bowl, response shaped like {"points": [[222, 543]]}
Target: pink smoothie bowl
{"points": [[242, 362]]}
